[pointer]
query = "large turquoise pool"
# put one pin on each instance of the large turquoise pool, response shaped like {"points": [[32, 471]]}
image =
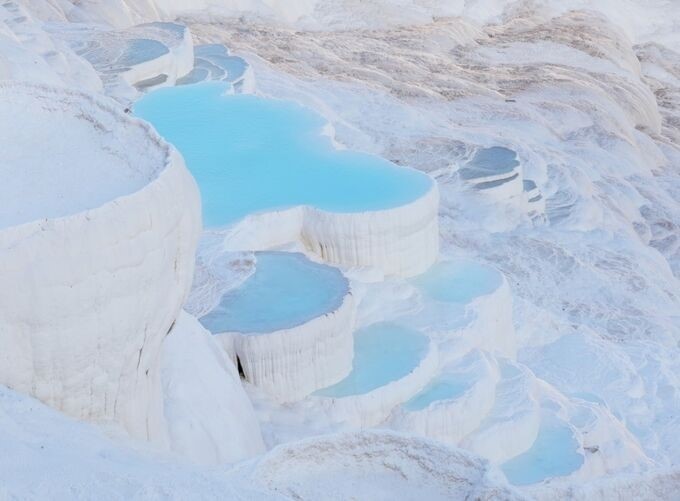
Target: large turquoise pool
{"points": [[250, 154], [383, 352], [286, 290]]}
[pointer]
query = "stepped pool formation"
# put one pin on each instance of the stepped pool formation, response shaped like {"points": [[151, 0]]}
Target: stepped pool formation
{"points": [[257, 157], [213, 62], [143, 56], [498, 174], [289, 325], [391, 362], [467, 302], [555, 453], [458, 281], [454, 402], [550, 131]]}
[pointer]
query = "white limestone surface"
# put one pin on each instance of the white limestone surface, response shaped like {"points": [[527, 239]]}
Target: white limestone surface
{"points": [[98, 233], [513, 423], [533, 200], [483, 321], [401, 241], [210, 418], [379, 465], [291, 363], [145, 55]]}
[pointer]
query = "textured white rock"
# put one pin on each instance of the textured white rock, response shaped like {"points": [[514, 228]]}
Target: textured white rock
{"points": [[402, 241], [376, 465], [28, 52], [533, 200], [493, 329], [485, 323], [90, 288], [449, 420], [514, 421], [291, 363], [177, 62], [372, 408], [209, 416], [145, 55]]}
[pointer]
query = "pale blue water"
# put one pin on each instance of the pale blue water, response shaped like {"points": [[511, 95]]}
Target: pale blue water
{"points": [[490, 162], [443, 387], [218, 54], [458, 281], [139, 50], [383, 352], [554, 454], [286, 290], [250, 154], [213, 62]]}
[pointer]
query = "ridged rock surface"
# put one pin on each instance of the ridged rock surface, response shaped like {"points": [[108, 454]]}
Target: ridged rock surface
{"points": [[91, 287]]}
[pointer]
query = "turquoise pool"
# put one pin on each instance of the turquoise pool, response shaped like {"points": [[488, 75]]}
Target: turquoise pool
{"points": [[286, 290], [458, 281], [383, 352], [447, 386], [554, 454], [250, 154]]}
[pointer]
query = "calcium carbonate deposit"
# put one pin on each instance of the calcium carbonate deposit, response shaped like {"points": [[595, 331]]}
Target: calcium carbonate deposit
{"points": [[340, 249]]}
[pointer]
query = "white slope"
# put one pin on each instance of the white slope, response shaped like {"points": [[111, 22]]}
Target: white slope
{"points": [[97, 243], [48, 456], [209, 416], [377, 465]]}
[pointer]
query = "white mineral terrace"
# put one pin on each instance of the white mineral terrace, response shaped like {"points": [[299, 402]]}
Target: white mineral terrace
{"points": [[497, 174], [403, 241], [454, 402], [219, 302], [144, 56], [97, 261], [289, 325], [467, 305], [391, 363]]}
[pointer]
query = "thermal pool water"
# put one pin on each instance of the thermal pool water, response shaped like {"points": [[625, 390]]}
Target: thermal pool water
{"points": [[286, 290], [383, 352], [250, 155]]}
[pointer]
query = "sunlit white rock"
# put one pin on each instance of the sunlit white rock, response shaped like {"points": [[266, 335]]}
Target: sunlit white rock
{"points": [[512, 425], [379, 464], [402, 241], [97, 238], [209, 417]]}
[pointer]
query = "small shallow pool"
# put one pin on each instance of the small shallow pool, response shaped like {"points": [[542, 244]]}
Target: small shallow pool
{"points": [[494, 161], [250, 154], [383, 352], [458, 281], [141, 50], [447, 386], [286, 290], [554, 454]]}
